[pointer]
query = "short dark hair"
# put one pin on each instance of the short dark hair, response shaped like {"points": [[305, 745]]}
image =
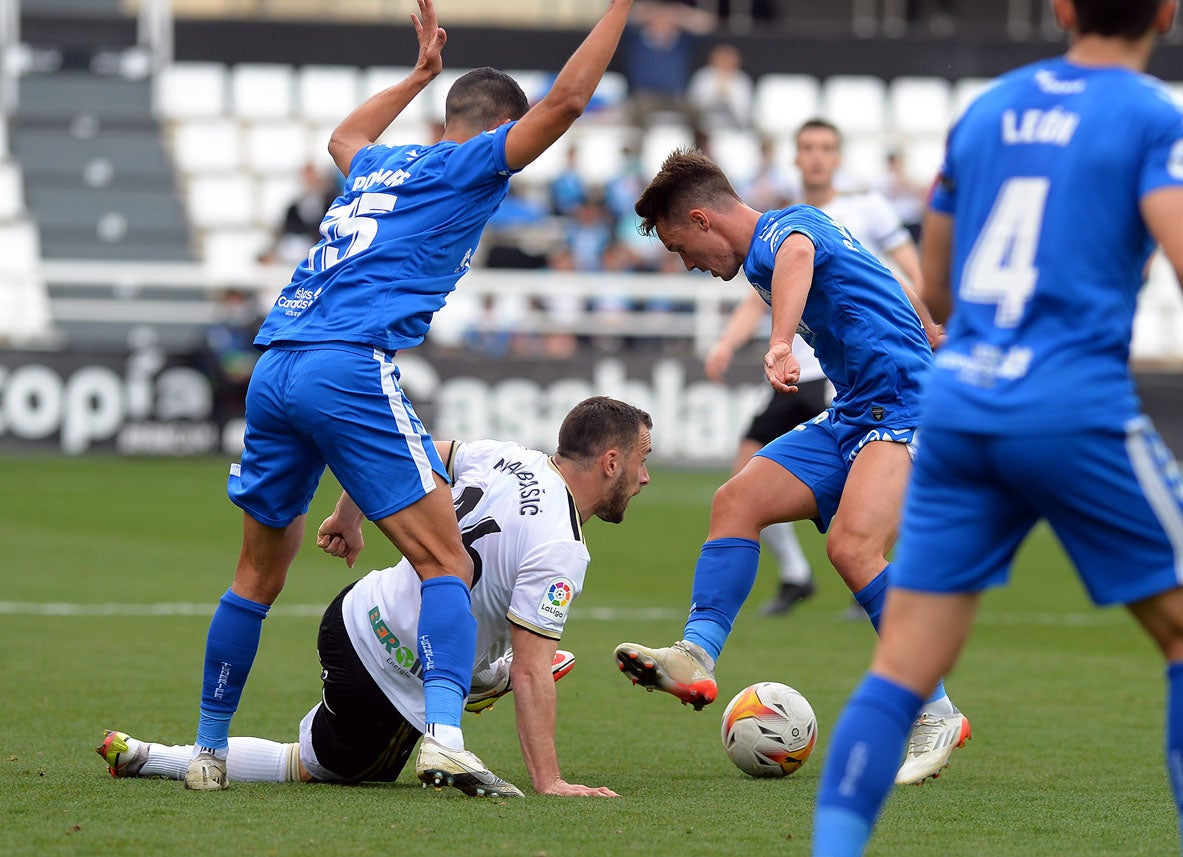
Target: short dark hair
{"points": [[819, 124], [484, 97], [598, 424], [1129, 19], [687, 178]]}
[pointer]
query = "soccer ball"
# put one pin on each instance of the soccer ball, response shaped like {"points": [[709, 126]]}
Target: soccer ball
{"points": [[769, 730]]}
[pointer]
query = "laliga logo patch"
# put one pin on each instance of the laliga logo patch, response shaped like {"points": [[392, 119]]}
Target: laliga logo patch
{"points": [[557, 599]]}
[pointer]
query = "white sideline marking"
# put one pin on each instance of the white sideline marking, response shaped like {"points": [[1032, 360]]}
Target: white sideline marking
{"points": [[599, 614]]}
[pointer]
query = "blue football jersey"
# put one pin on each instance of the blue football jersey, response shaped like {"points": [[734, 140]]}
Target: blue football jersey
{"points": [[1043, 176], [860, 324], [393, 244]]}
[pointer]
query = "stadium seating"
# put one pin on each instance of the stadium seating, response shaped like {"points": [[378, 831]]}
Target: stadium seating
{"points": [[240, 135]]}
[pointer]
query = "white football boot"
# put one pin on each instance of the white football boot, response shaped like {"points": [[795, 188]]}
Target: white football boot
{"points": [[933, 740], [460, 769]]}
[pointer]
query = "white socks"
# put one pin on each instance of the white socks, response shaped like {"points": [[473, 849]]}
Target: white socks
{"points": [[782, 541], [250, 760], [451, 737]]}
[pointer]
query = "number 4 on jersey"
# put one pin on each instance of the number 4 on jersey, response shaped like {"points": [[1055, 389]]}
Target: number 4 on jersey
{"points": [[1001, 267]]}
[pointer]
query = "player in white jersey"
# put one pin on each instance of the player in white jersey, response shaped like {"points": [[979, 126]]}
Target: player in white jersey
{"points": [[1057, 184], [871, 219], [521, 515]]}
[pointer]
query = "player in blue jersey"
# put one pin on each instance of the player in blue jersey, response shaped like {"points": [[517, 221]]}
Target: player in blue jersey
{"points": [[326, 390], [845, 469], [1056, 185]]}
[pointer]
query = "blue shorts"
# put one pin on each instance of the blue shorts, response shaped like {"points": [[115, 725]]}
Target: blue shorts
{"points": [[330, 404], [1113, 499], [821, 451]]}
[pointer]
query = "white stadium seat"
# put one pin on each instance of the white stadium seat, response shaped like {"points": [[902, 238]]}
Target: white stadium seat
{"points": [[277, 147], [190, 90], [919, 106], [855, 103], [599, 150], [611, 91], [548, 166], [327, 93], [229, 251], [737, 152], [12, 193], [534, 84], [864, 163], [273, 195], [784, 101], [220, 201], [377, 78], [262, 91], [207, 145], [922, 158], [966, 90], [659, 140]]}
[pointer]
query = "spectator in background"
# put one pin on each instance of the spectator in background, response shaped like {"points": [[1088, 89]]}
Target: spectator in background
{"points": [[568, 190], [587, 233], [228, 353], [659, 55], [938, 13], [770, 187], [720, 93], [300, 229], [906, 196], [868, 216]]}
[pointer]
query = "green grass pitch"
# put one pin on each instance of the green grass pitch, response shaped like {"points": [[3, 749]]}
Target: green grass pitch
{"points": [[1066, 702]]}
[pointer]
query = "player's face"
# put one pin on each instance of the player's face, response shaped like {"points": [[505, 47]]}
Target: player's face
{"points": [[818, 156], [700, 247], [634, 475]]}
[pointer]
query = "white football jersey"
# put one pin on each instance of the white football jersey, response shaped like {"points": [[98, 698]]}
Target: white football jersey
{"points": [[872, 220], [520, 526]]}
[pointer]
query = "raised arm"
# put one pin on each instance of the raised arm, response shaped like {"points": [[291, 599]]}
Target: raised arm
{"points": [[736, 334], [792, 277], [550, 118], [368, 120]]}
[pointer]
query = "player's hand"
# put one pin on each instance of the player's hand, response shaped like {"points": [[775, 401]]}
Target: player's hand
{"points": [[432, 38], [936, 336], [562, 788], [718, 361], [340, 539], [781, 368]]}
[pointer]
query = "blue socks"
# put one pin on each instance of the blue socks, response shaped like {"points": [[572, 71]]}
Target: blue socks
{"points": [[871, 598], [864, 755], [230, 649], [723, 579], [447, 647], [1175, 736]]}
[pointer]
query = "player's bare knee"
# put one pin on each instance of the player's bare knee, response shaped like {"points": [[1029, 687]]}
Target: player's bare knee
{"points": [[852, 555], [731, 514], [453, 564]]}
